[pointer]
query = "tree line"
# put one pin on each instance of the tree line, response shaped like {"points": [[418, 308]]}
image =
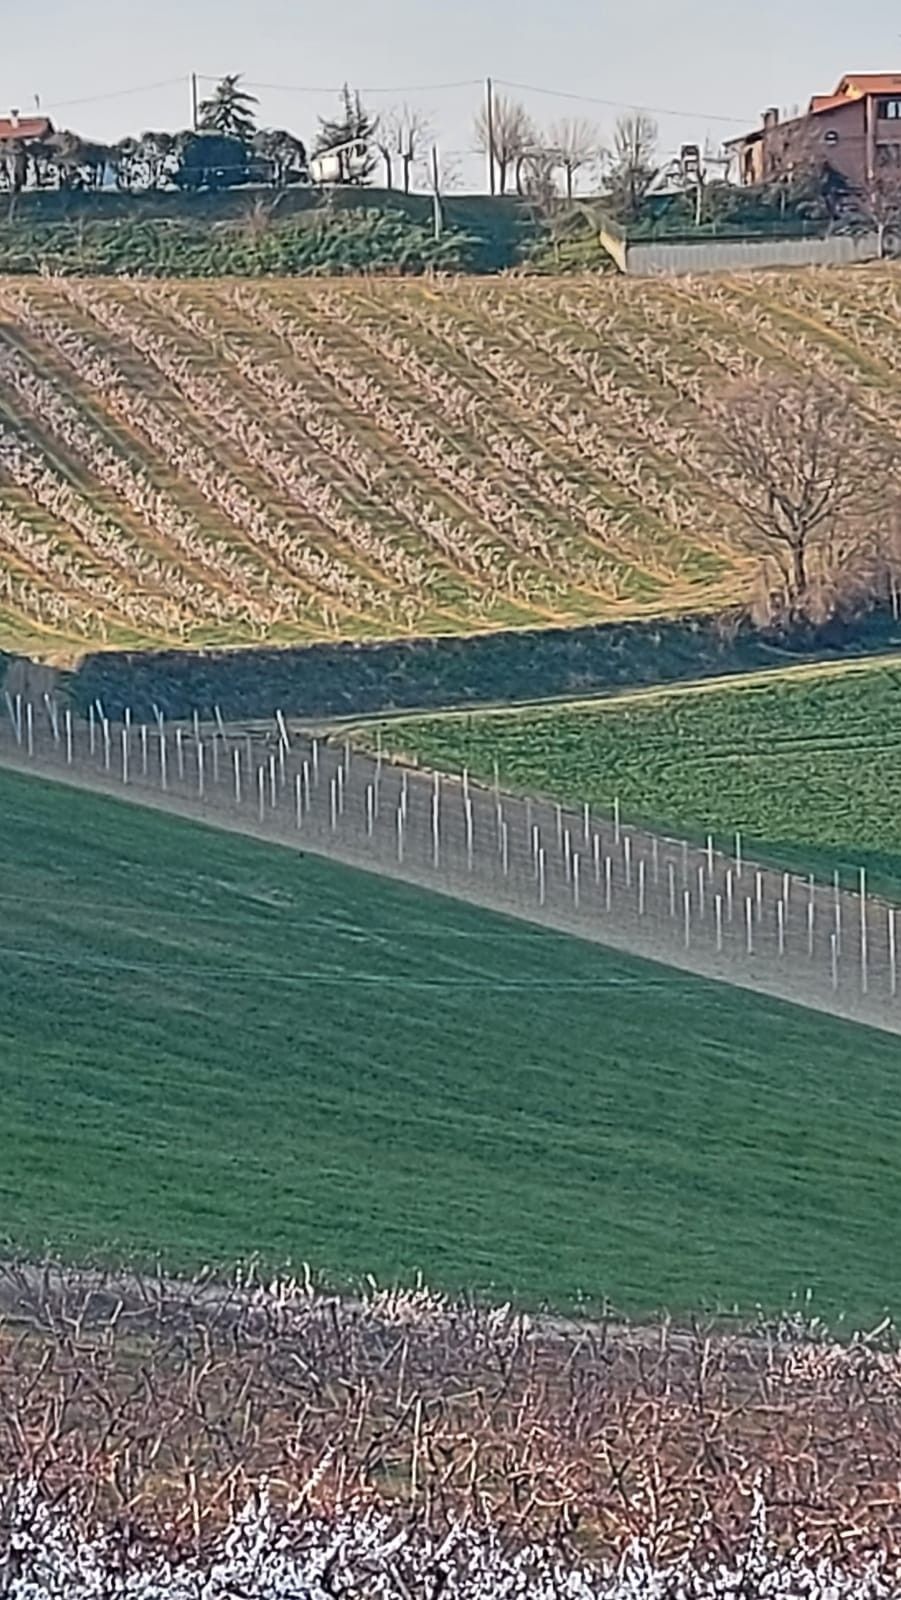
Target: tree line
{"points": [[228, 148], [225, 149], [635, 183], [638, 184]]}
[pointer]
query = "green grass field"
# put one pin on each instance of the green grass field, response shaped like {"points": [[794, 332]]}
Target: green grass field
{"points": [[211, 1047], [806, 764]]}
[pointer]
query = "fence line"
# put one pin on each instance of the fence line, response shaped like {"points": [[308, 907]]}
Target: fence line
{"points": [[700, 908]]}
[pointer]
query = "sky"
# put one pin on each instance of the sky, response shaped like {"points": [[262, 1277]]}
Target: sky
{"points": [[706, 68]]}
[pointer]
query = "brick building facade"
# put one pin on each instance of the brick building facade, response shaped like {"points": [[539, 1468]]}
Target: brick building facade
{"points": [[856, 131]]}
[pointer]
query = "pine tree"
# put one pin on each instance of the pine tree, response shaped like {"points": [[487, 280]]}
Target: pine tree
{"points": [[230, 109], [350, 135]]}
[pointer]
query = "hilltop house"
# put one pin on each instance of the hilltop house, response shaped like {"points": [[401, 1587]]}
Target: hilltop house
{"points": [[856, 131], [15, 129]]}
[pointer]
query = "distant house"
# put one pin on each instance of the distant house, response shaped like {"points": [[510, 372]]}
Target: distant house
{"points": [[16, 129], [856, 131]]}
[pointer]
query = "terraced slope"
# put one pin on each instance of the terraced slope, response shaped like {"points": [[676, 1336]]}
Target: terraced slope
{"points": [[197, 464]]}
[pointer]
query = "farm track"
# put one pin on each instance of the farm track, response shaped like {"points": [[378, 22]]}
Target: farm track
{"points": [[661, 899], [614, 700]]}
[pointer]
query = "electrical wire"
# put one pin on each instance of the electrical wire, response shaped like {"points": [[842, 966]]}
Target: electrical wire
{"points": [[416, 88], [308, 88], [111, 94], [409, 88], [622, 105]]}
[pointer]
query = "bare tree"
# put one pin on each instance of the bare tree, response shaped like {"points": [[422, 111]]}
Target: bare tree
{"points": [[535, 174], [879, 204], [800, 176], [634, 164], [402, 138], [806, 475], [577, 144], [510, 137]]}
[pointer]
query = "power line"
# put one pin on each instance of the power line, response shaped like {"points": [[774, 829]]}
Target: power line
{"points": [[308, 88], [113, 94], [622, 105], [477, 83], [410, 88]]}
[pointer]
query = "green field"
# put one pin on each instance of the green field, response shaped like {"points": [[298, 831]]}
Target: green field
{"points": [[807, 763], [210, 1046]]}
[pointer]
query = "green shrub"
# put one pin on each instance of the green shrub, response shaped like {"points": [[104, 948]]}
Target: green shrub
{"points": [[320, 243], [354, 679]]}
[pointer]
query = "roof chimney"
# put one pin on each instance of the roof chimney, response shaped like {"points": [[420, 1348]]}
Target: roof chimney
{"points": [[771, 117], [14, 117]]}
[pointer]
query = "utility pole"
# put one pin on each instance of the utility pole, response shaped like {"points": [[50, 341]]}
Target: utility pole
{"points": [[436, 194], [489, 125], [195, 114]]}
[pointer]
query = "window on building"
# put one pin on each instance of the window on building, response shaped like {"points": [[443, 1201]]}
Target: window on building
{"points": [[889, 110]]}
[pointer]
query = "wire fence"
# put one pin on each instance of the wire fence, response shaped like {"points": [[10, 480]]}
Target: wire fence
{"points": [[706, 909]]}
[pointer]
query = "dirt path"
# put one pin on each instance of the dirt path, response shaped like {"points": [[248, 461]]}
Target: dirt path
{"points": [[614, 699]]}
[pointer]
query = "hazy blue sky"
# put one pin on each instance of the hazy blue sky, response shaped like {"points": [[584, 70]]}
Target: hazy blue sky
{"points": [[708, 58]]}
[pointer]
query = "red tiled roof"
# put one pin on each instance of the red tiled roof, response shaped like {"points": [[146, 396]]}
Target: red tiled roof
{"points": [[855, 84], [828, 102], [853, 87], [25, 128]]}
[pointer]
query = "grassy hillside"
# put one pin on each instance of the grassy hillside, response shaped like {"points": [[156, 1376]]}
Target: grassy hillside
{"points": [[198, 464], [210, 1047], [806, 763]]}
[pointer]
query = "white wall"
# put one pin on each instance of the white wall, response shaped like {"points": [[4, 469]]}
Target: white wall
{"points": [[731, 255]]}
